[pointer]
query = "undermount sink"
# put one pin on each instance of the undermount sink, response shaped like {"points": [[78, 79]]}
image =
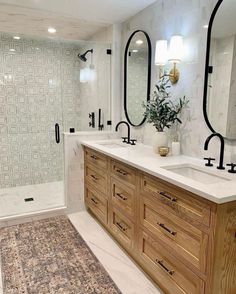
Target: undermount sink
{"points": [[196, 173], [113, 144]]}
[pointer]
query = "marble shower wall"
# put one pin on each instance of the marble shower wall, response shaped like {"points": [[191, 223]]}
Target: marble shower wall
{"points": [[187, 17], [39, 86], [219, 88], [96, 93]]}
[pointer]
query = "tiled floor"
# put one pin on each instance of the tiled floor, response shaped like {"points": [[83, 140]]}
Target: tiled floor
{"points": [[124, 272]]}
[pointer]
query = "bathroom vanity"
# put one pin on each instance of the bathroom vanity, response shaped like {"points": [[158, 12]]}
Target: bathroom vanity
{"points": [[180, 231]]}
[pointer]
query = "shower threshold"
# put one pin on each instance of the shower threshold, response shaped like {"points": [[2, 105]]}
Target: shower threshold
{"points": [[31, 200]]}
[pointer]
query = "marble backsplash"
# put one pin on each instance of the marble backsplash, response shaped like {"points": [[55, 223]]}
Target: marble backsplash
{"points": [[186, 17]]}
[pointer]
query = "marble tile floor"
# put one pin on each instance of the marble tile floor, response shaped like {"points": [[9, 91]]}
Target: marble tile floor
{"points": [[124, 272]]}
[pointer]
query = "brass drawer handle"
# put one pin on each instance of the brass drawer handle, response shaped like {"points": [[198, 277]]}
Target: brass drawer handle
{"points": [[121, 227], [121, 197], [120, 171], [164, 194], [173, 233], [94, 178], [160, 262], [94, 157], [94, 201]]}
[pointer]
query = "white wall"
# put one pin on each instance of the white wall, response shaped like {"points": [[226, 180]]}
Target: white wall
{"points": [[186, 17]]}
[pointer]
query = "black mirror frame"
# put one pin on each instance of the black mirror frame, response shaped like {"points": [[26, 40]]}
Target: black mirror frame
{"points": [[125, 74], [207, 67]]}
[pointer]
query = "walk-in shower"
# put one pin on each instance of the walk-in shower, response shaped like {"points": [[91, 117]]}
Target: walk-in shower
{"points": [[40, 88]]}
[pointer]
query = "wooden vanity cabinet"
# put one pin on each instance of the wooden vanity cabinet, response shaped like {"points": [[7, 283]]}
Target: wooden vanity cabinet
{"points": [[186, 243]]}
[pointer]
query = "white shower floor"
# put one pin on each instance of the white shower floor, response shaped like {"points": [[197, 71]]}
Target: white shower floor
{"points": [[46, 196]]}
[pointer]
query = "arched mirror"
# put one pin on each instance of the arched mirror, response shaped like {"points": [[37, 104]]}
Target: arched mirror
{"points": [[220, 74], [137, 76]]}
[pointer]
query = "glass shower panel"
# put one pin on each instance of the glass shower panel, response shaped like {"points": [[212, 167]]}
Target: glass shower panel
{"points": [[30, 105], [40, 86]]}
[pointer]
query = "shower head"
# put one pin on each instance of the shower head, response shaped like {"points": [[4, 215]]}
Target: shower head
{"points": [[82, 57]]}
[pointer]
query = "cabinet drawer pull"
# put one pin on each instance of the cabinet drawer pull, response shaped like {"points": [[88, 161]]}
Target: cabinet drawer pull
{"points": [[173, 233], [120, 171], [94, 201], [121, 197], [121, 227], [94, 157], [164, 194], [160, 262], [94, 178]]}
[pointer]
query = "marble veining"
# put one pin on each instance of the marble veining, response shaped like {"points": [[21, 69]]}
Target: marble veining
{"points": [[161, 20]]}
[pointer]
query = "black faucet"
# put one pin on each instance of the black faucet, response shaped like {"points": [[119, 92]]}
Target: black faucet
{"points": [[222, 148], [128, 126]]}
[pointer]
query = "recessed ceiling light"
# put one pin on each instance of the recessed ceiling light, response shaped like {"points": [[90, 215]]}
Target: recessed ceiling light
{"points": [[205, 26], [52, 30], [12, 50], [135, 50], [16, 37], [139, 42]]}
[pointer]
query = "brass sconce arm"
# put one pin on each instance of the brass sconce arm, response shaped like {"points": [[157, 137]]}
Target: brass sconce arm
{"points": [[174, 74]]}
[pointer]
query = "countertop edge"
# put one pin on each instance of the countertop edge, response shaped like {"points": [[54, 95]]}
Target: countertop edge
{"points": [[190, 189]]}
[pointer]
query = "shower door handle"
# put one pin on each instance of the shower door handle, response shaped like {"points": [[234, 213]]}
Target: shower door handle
{"points": [[57, 133]]}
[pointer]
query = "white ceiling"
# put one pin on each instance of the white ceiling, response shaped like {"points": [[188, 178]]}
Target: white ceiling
{"points": [[74, 19]]}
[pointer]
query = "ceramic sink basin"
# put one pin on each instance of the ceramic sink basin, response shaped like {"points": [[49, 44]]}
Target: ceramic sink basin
{"points": [[197, 173], [113, 144]]}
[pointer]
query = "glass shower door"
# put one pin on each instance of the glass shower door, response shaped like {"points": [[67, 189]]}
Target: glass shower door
{"points": [[31, 161]]}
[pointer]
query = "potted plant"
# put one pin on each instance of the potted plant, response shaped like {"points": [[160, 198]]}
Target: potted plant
{"points": [[162, 112]]}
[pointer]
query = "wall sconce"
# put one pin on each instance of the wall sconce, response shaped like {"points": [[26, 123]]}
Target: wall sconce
{"points": [[175, 56]]}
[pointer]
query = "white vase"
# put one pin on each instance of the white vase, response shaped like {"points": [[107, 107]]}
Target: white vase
{"points": [[175, 148], [159, 139]]}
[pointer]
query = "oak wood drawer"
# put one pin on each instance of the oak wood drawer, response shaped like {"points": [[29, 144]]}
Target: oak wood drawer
{"points": [[177, 200], [96, 158], [123, 173], [188, 241], [122, 196], [97, 203], [122, 228], [96, 177], [168, 272]]}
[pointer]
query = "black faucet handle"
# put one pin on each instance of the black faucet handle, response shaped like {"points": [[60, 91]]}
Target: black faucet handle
{"points": [[132, 141], [124, 139], [209, 160], [233, 168]]}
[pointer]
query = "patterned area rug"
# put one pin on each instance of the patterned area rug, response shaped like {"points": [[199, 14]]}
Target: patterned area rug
{"points": [[50, 257]]}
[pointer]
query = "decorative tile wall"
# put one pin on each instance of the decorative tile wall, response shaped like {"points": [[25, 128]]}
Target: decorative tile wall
{"points": [[39, 86], [137, 86]]}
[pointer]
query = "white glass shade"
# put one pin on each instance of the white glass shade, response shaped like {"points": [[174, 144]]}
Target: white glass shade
{"points": [[176, 49], [87, 74], [83, 76], [161, 52]]}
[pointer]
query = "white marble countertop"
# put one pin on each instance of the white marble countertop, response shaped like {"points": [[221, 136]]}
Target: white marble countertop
{"points": [[143, 158]]}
